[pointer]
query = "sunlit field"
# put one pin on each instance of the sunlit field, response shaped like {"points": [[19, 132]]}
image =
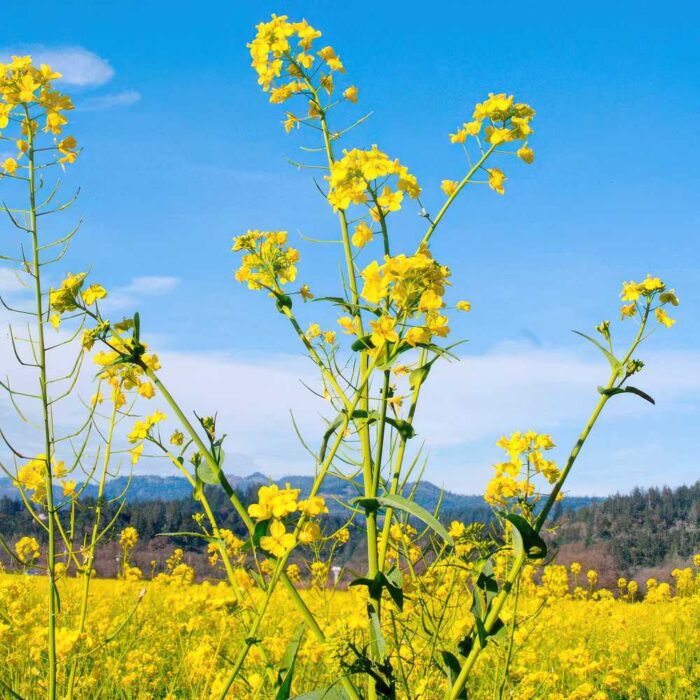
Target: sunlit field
{"points": [[171, 639]]}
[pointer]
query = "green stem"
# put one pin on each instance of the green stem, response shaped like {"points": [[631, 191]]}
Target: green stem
{"points": [[87, 570], [48, 443], [511, 642], [451, 198]]}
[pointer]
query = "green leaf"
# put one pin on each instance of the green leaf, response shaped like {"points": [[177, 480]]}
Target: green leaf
{"points": [[418, 376], [627, 390], [207, 474], [377, 637], [283, 302], [393, 582], [285, 669], [403, 428], [394, 579], [452, 670], [412, 508], [526, 538], [258, 533], [639, 392], [363, 343], [615, 364]]}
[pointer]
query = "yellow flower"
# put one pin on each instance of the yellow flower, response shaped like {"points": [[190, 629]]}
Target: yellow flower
{"points": [[652, 284], [376, 286], [93, 293], [10, 166], [390, 201], [128, 537], [290, 122], [313, 332], [414, 336], [147, 390], [628, 310], [68, 148], [136, 453], [350, 94], [309, 532], [463, 306], [329, 337], [631, 291], [663, 318], [496, 180], [669, 297], [313, 506], [383, 330], [27, 550], [330, 57], [69, 487], [279, 541], [305, 292], [177, 438], [362, 236], [346, 323], [526, 154], [449, 187], [430, 301]]}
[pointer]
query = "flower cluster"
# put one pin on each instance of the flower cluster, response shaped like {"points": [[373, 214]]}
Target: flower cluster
{"points": [[140, 432], [502, 121], [232, 545], [128, 537], [505, 120], [27, 550], [650, 290], [414, 285], [282, 56], [23, 86], [362, 177], [71, 296], [268, 262], [31, 477], [274, 504], [120, 374], [514, 480]]}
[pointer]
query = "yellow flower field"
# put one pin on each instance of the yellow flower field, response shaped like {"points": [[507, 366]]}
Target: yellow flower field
{"points": [[171, 639]]}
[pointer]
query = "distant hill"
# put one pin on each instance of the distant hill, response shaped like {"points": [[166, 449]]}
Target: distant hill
{"points": [[142, 488], [644, 529]]}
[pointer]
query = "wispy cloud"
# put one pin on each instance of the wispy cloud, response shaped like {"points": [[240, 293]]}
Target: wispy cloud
{"points": [[466, 405], [126, 98], [149, 286], [80, 66], [10, 281]]}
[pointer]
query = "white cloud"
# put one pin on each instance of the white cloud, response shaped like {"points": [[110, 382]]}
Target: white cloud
{"points": [[130, 294], [465, 406], [10, 281], [125, 98], [79, 66]]}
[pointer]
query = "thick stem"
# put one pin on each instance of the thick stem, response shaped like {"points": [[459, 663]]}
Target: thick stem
{"points": [[47, 438]]}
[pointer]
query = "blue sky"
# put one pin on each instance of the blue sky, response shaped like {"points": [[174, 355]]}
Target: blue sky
{"points": [[182, 151]]}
